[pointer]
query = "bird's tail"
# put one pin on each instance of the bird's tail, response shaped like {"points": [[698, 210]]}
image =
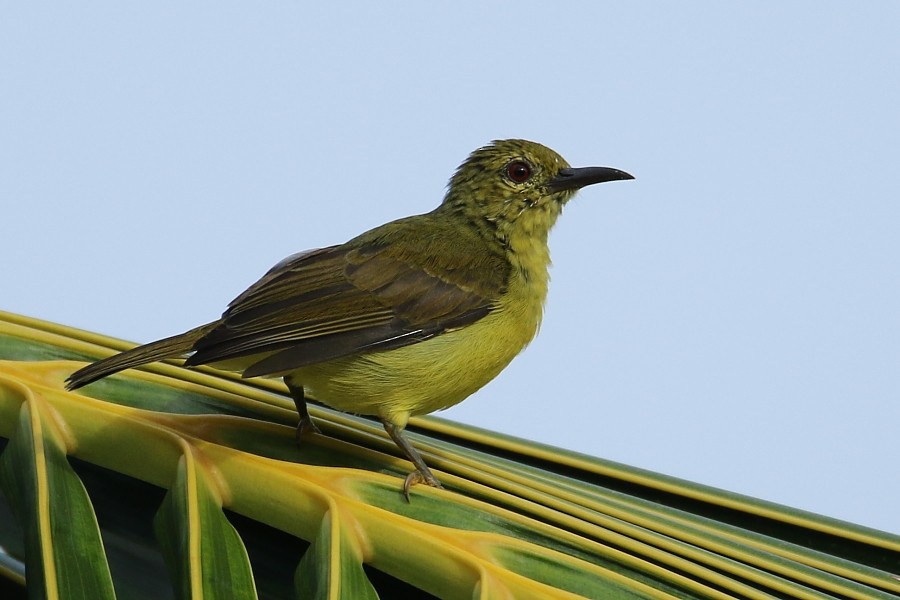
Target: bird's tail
{"points": [[171, 347]]}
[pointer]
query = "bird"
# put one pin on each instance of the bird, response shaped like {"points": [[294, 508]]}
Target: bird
{"points": [[408, 318]]}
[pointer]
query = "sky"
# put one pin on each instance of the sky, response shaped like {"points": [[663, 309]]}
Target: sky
{"points": [[730, 317]]}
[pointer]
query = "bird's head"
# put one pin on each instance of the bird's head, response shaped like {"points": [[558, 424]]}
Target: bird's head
{"points": [[519, 186]]}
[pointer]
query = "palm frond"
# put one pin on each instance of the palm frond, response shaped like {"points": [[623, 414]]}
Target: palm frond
{"points": [[167, 482]]}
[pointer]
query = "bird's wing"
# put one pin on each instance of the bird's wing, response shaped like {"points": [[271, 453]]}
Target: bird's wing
{"points": [[375, 293]]}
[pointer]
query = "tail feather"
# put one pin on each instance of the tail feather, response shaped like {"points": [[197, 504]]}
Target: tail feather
{"points": [[171, 347]]}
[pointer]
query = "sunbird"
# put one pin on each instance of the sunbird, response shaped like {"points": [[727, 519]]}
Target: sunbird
{"points": [[408, 318]]}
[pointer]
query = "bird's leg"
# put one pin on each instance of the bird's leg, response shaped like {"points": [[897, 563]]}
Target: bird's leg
{"points": [[305, 426], [422, 474]]}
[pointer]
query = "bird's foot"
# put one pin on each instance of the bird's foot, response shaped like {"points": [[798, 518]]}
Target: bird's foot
{"points": [[305, 428], [417, 477]]}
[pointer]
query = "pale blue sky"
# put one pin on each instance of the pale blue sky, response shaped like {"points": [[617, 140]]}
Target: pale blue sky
{"points": [[731, 317]]}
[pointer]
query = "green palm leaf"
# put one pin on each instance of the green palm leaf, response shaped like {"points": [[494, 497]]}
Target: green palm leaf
{"points": [[199, 471]]}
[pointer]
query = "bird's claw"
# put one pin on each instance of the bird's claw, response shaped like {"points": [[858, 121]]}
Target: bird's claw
{"points": [[305, 428], [417, 477]]}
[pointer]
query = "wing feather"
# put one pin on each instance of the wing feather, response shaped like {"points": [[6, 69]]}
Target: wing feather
{"points": [[384, 290]]}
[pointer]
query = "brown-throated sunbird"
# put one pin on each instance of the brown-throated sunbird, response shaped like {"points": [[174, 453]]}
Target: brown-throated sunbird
{"points": [[408, 318]]}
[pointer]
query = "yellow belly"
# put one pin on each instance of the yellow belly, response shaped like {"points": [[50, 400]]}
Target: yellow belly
{"points": [[431, 375]]}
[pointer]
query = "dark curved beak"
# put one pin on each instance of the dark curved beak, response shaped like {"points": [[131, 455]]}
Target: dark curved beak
{"points": [[574, 179]]}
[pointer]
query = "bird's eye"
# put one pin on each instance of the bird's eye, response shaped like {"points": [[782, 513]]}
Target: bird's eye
{"points": [[518, 171]]}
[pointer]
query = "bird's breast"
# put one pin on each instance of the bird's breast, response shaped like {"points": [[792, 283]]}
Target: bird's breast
{"points": [[436, 373]]}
